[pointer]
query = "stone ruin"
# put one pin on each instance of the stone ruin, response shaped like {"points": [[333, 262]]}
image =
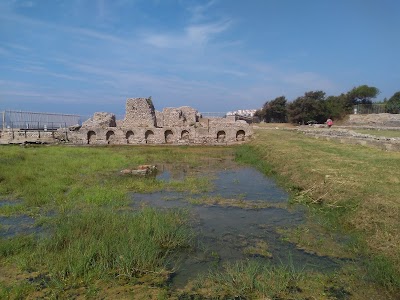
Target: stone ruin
{"points": [[143, 125]]}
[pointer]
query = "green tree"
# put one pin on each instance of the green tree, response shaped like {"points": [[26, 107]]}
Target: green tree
{"points": [[274, 111], [393, 104], [260, 113], [362, 94], [310, 107], [337, 106]]}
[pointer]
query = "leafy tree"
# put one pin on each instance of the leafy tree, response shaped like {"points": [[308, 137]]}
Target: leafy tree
{"points": [[337, 106], [260, 113], [393, 104], [274, 111], [362, 94], [310, 107]]}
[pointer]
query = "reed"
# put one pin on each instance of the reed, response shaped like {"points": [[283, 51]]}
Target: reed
{"points": [[83, 247]]}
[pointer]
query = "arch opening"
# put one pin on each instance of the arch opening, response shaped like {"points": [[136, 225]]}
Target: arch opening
{"points": [[169, 136], [149, 137], [185, 135], [221, 135], [129, 137], [110, 137], [240, 135], [91, 137]]}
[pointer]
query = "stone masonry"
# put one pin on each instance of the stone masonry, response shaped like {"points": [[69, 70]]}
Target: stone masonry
{"points": [[100, 119], [384, 120], [143, 125], [181, 116], [139, 113]]}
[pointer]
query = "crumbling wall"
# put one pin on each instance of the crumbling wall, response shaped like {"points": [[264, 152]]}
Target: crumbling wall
{"points": [[100, 119], [143, 125], [191, 115], [181, 116], [351, 137], [159, 119], [384, 119], [139, 113]]}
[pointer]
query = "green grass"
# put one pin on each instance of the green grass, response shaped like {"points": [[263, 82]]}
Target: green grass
{"points": [[101, 244], [385, 133], [247, 279], [81, 201], [348, 188], [47, 178]]}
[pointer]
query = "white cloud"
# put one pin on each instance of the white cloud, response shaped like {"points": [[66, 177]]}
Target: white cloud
{"points": [[199, 11], [192, 36], [204, 32], [163, 64]]}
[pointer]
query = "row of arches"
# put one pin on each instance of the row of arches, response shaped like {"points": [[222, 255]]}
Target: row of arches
{"points": [[168, 136]]}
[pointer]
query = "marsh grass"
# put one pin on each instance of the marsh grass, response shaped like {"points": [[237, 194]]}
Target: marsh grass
{"points": [[248, 280], [348, 188], [99, 243], [18, 291], [259, 249], [54, 176], [255, 280], [234, 202], [312, 238], [78, 195], [191, 184], [381, 270], [89, 232]]}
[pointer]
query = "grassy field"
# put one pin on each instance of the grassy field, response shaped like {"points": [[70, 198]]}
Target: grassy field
{"points": [[352, 195], [90, 241], [385, 133], [348, 188], [93, 245]]}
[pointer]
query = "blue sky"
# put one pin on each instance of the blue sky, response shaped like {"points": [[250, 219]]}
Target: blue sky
{"points": [[83, 56]]}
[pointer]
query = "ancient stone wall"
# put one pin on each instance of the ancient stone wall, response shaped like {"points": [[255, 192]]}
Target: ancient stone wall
{"points": [[22, 136], [139, 113], [142, 125], [100, 119], [351, 137], [191, 115], [159, 119], [384, 120], [181, 116], [165, 135]]}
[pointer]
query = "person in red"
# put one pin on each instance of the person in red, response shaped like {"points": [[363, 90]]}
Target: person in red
{"points": [[329, 122]]}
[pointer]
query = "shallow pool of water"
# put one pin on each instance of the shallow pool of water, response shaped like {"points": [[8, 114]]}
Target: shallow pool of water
{"points": [[230, 233], [13, 225]]}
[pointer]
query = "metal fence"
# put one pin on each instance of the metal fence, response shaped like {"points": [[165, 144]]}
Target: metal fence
{"points": [[36, 120], [374, 108]]}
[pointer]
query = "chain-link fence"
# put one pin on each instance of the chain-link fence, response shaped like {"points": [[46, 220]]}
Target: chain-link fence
{"points": [[36, 120], [373, 108]]}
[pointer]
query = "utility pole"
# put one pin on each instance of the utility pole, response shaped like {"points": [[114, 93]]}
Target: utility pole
{"points": [[4, 120]]}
